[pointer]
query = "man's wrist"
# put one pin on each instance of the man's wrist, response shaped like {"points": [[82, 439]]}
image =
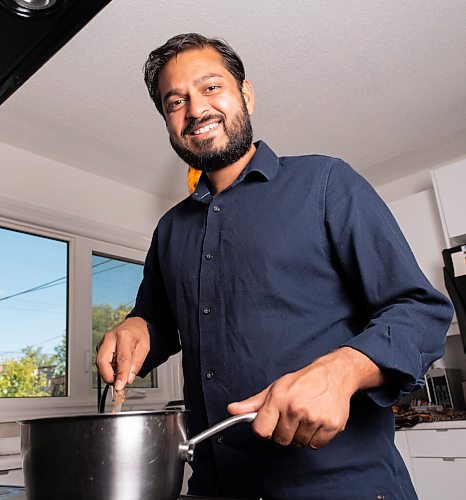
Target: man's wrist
{"points": [[355, 369], [363, 372]]}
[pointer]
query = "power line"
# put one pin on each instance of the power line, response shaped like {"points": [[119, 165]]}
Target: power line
{"points": [[3, 353], [34, 289], [60, 281]]}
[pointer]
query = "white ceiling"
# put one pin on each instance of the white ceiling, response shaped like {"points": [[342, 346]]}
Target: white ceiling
{"points": [[381, 84]]}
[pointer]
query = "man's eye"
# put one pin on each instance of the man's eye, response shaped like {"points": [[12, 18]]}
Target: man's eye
{"points": [[175, 104], [210, 88]]}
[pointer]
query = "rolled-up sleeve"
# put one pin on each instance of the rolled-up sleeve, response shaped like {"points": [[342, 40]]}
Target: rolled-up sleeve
{"points": [[408, 318], [153, 306]]}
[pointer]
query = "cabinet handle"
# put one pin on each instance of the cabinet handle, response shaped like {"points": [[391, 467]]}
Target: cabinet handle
{"points": [[448, 459], [441, 430]]}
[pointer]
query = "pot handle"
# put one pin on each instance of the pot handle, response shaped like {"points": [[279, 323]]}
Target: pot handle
{"points": [[187, 447]]}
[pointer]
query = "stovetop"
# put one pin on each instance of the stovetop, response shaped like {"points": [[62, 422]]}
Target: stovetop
{"points": [[19, 493]]}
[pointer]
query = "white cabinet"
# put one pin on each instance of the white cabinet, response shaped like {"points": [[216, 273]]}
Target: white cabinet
{"points": [[450, 190], [440, 478], [418, 218], [438, 462]]}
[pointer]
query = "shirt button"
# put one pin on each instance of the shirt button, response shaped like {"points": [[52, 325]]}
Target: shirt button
{"points": [[210, 375], [216, 208], [220, 439], [209, 256], [206, 310]]}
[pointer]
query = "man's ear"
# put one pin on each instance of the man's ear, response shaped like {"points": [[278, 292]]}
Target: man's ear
{"points": [[248, 94]]}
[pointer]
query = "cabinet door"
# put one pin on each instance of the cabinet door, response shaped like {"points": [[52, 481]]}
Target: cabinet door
{"points": [[418, 218], [450, 189], [440, 478], [438, 443]]}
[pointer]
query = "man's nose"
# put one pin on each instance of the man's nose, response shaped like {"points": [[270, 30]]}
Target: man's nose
{"points": [[197, 106]]}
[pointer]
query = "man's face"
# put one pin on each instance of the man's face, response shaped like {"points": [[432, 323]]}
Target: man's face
{"points": [[207, 116]]}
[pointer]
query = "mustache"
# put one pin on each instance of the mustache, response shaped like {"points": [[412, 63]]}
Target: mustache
{"points": [[195, 123]]}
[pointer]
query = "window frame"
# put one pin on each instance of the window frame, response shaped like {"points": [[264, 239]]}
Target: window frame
{"points": [[82, 398]]}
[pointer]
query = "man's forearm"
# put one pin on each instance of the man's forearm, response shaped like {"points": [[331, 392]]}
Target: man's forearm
{"points": [[359, 371]]}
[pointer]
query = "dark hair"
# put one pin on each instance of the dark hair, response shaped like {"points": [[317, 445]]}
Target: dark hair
{"points": [[179, 43]]}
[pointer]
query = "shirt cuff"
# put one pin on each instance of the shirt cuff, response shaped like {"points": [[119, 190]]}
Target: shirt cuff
{"points": [[394, 355]]}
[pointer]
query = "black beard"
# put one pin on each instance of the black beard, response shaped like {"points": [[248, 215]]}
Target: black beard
{"points": [[239, 136]]}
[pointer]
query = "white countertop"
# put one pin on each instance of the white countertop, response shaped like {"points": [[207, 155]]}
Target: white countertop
{"points": [[448, 424], [10, 462]]}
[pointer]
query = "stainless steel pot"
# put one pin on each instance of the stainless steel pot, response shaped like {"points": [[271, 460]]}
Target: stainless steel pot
{"points": [[107, 456]]}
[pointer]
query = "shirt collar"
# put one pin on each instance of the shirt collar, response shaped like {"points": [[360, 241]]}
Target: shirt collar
{"points": [[264, 161]]}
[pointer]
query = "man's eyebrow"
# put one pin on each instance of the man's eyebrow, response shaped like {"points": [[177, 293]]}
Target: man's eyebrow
{"points": [[197, 81], [206, 77]]}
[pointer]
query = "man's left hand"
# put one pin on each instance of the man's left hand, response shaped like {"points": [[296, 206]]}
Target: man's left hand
{"points": [[310, 407]]}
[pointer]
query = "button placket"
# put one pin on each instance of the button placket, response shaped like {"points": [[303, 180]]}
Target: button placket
{"points": [[208, 300]]}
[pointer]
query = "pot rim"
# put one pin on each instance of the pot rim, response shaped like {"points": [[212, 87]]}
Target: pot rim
{"points": [[167, 411]]}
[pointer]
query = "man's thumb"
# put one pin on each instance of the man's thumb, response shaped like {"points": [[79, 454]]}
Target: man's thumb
{"points": [[254, 403]]}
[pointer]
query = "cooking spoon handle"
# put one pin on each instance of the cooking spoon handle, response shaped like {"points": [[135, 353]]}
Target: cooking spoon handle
{"points": [[187, 447]]}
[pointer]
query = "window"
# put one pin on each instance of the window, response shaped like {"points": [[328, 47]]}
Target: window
{"points": [[59, 292], [33, 315], [114, 285]]}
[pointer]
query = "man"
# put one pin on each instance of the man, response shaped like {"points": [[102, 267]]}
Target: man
{"points": [[290, 290]]}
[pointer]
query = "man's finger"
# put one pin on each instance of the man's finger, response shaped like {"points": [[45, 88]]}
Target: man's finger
{"points": [[123, 360], [304, 433], [266, 421], [248, 405], [104, 360], [326, 433], [137, 360], [285, 430], [122, 371]]}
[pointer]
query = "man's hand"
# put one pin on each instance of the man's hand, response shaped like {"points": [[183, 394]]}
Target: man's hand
{"points": [[311, 406], [122, 352]]}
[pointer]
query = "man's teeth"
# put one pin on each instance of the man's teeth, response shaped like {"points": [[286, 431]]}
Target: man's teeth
{"points": [[206, 128]]}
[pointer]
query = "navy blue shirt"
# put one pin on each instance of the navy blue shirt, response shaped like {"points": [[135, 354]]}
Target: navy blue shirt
{"points": [[298, 257]]}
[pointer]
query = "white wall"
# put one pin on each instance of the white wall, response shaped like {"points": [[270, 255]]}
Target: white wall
{"points": [[32, 183], [36, 181], [410, 184]]}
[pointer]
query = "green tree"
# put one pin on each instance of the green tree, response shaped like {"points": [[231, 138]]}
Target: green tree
{"points": [[40, 358], [30, 375], [21, 378], [60, 358]]}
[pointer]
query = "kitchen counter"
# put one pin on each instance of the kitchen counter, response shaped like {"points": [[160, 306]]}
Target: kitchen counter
{"points": [[446, 424], [440, 417]]}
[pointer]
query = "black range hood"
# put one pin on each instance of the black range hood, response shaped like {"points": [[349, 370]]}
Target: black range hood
{"points": [[32, 31]]}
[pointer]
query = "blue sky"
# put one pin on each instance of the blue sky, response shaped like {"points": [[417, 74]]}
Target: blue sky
{"points": [[33, 290]]}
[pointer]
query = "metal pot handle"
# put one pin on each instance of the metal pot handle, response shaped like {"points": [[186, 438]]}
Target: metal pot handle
{"points": [[187, 447]]}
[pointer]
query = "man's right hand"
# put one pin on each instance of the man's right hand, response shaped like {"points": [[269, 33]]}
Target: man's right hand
{"points": [[122, 351]]}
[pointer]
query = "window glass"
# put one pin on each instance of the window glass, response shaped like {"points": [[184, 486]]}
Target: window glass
{"points": [[114, 287], [33, 315]]}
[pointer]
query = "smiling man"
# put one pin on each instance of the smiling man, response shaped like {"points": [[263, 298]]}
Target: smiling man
{"points": [[291, 292], [207, 114]]}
